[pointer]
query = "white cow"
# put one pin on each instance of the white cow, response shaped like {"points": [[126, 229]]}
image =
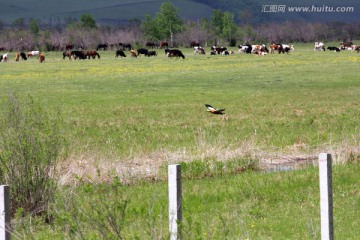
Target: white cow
{"points": [[319, 46], [33, 53]]}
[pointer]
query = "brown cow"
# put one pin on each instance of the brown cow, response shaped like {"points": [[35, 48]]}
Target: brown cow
{"points": [[164, 45], [133, 53], [274, 47], [69, 46], [91, 53], [346, 45], [41, 58], [17, 56], [194, 44], [152, 45], [67, 54], [21, 55]]}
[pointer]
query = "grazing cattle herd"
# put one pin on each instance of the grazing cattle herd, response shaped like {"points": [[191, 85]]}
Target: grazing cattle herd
{"points": [[256, 49]]}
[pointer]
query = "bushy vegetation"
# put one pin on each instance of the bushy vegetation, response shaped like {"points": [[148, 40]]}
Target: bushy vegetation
{"points": [[92, 211], [31, 143]]}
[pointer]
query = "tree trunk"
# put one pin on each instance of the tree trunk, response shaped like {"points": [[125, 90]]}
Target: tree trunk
{"points": [[171, 39]]}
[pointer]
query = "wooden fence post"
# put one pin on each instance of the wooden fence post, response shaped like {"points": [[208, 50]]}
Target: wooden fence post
{"points": [[175, 201], [326, 196], [5, 230]]}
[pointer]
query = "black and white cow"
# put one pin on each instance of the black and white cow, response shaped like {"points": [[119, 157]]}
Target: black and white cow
{"points": [[174, 53], [335, 49], [219, 50], [245, 48], [4, 57], [199, 50], [285, 48]]}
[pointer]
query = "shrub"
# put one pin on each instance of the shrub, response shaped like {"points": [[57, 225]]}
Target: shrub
{"points": [[92, 211], [30, 145]]}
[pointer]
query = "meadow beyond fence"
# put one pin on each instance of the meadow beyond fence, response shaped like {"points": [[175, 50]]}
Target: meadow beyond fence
{"points": [[130, 116]]}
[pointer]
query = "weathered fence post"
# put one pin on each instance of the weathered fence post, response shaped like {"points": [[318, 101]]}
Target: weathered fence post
{"points": [[326, 196], [175, 201], [5, 212]]}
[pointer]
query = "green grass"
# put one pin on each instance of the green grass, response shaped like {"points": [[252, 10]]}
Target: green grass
{"points": [[129, 107], [282, 205]]}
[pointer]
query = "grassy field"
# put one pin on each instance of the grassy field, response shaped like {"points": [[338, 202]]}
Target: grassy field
{"points": [[134, 116], [152, 109]]}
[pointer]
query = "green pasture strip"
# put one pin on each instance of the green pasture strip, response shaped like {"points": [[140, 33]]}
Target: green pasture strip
{"points": [[138, 105], [282, 205]]}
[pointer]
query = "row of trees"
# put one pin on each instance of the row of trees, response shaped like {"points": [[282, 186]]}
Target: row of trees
{"points": [[166, 25]]}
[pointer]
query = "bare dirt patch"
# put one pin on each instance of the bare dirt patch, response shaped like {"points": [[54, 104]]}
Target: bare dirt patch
{"points": [[96, 169]]}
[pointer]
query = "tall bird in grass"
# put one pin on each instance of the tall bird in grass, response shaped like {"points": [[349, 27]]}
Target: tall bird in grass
{"points": [[213, 110]]}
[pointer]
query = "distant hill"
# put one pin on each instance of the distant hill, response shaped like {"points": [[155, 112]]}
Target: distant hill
{"points": [[105, 12], [120, 11]]}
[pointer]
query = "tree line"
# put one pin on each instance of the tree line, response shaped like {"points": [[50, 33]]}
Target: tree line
{"points": [[220, 29]]}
